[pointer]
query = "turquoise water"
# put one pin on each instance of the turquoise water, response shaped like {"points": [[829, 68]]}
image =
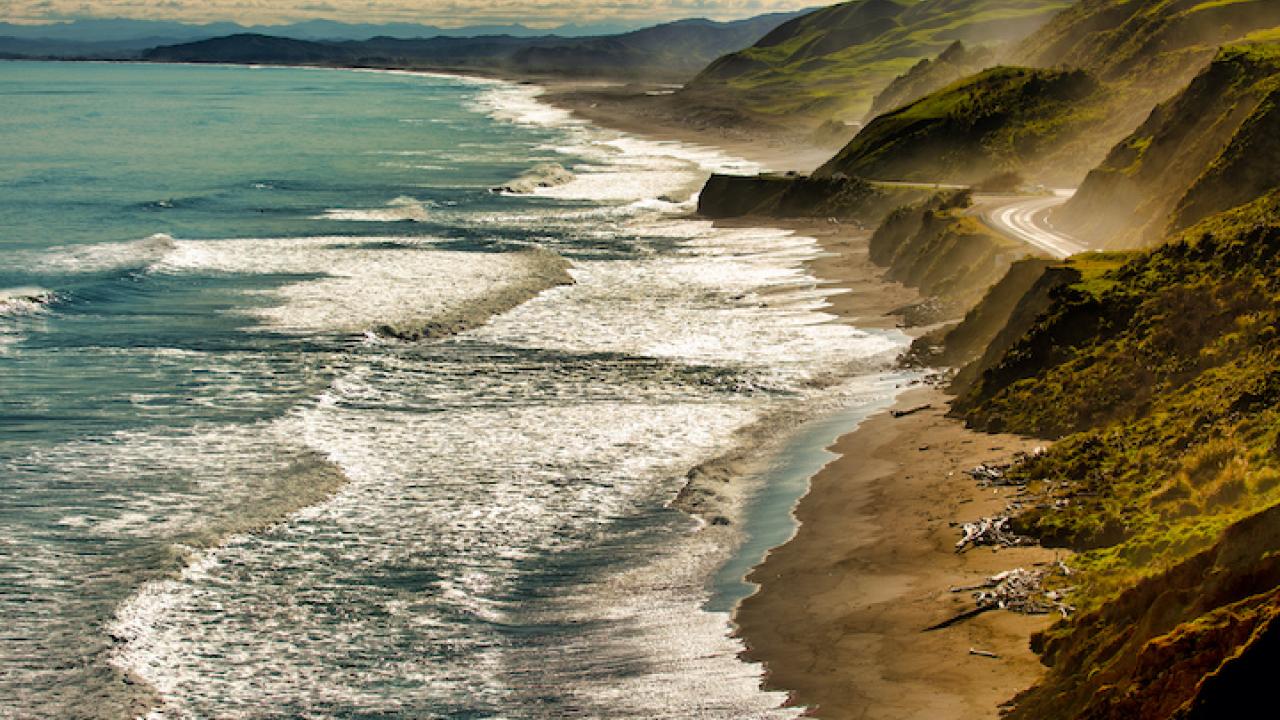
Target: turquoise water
{"points": [[227, 490]]}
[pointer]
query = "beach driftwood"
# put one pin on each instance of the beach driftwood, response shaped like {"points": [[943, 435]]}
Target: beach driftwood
{"points": [[1018, 590], [991, 531], [911, 411], [983, 653]]}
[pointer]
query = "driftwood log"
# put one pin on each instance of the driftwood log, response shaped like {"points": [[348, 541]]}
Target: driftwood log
{"points": [[991, 531]]}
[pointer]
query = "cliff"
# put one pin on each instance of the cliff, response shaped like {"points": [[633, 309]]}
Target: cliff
{"points": [[1157, 371], [1002, 119], [938, 248], [831, 63], [1211, 147], [797, 196]]}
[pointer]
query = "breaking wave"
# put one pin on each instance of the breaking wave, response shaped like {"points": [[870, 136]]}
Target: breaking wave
{"points": [[25, 301], [401, 209], [546, 175]]}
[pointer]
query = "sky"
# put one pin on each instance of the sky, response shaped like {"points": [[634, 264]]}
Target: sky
{"points": [[444, 13]]}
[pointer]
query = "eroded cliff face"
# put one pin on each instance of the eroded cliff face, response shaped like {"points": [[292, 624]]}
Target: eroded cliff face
{"points": [[938, 248], [1210, 148], [798, 196], [1156, 372]]}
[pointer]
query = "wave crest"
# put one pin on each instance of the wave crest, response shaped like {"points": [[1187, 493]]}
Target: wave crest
{"points": [[401, 209], [543, 270], [25, 301], [545, 175]]}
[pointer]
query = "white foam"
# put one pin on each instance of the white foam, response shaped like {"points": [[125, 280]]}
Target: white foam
{"points": [[25, 301], [465, 465], [519, 104], [400, 209], [361, 287], [98, 257]]}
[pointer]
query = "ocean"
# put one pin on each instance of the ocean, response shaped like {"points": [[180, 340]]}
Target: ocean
{"points": [[300, 418]]}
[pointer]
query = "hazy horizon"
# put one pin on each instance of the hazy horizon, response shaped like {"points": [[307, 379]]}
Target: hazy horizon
{"points": [[450, 14]]}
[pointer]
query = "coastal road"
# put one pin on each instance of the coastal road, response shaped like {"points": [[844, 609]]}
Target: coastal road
{"points": [[1027, 219]]}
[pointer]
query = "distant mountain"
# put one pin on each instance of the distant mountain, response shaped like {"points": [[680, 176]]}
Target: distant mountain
{"points": [[126, 30], [126, 39], [672, 51], [831, 63]]}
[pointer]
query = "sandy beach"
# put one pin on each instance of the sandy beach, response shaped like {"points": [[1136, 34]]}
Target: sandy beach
{"points": [[839, 617], [840, 614]]}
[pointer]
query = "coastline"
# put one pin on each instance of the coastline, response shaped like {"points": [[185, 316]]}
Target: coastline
{"points": [[838, 614], [872, 599]]}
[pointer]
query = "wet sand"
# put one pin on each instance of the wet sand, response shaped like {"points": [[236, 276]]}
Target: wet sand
{"points": [[840, 614]]}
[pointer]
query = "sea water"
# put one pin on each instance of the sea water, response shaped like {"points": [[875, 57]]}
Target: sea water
{"points": [[230, 487]]}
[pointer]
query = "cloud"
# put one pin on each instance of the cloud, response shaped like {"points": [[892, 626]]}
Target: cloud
{"points": [[434, 12]]}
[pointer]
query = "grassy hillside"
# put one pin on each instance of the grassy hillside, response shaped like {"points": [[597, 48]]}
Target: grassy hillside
{"points": [[1145, 42], [833, 62], [1158, 371], [1000, 119], [1210, 148], [955, 63], [1139, 52]]}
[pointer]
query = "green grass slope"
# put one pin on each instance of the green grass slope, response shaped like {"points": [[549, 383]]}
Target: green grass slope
{"points": [[1214, 146], [1145, 42], [998, 120], [833, 62], [955, 63], [1139, 51], [1158, 371]]}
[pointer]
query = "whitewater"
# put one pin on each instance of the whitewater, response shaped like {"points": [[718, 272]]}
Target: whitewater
{"points": [[364, 395]]}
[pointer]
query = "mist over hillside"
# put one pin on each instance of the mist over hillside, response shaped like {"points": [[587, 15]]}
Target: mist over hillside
{"points": [[833, 62]]}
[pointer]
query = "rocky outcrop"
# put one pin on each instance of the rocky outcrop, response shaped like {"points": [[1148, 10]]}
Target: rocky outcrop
{"points": [[798, 196]]}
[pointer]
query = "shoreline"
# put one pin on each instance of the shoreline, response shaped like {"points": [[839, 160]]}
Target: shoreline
{"points": [[839, 609], [876, 612], [839, 614]]}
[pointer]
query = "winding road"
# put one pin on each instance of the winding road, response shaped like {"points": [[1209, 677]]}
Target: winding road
{"points": [[1027, 219]]}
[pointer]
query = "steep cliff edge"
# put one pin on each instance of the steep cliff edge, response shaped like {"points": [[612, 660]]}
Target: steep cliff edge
{"points": [[947, 254], [1157, 370], [999, 120], [1211, 147], [799, 196], [831, 63]]}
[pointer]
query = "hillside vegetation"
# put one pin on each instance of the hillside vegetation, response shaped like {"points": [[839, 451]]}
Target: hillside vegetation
{"points": [[833, 62], [929, 75], [1000, 119], [1210, 148], [1159, 372], [1138, 53]]}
